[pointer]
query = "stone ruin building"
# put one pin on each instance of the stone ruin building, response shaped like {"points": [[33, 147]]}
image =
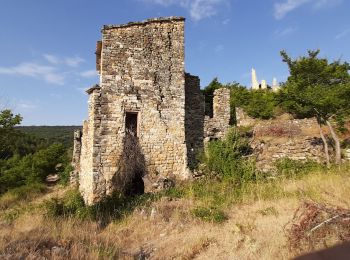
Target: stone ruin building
{"points": [[146, 120]]}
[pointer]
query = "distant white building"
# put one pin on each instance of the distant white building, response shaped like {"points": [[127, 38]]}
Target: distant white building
{"points": [[263, 85]]}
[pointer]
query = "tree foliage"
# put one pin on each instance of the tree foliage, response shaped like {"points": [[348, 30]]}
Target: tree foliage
{"points": [[25, 159], [317, 88], [8, 135]]}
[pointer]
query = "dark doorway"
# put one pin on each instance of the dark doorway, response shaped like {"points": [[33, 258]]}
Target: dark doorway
{"points": [[137, 186], [131, 123]]}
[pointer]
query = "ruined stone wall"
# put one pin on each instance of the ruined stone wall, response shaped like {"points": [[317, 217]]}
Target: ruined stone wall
{"points": [[141, 71], [296, 139], [242, 118], [89, 158], [194, 118], [217, 126], [74, 177]]}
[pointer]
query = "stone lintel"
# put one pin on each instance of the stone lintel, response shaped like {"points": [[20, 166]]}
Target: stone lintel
{"points": [[94, 87], [148, 21]]}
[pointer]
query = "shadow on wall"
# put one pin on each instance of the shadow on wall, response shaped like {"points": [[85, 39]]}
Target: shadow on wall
{"points": [[128, 178]]}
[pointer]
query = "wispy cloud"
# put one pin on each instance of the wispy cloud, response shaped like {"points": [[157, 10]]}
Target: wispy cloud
{"points": [[74, 61], [26, 106], [198, 9], [70, 61], [285, 32], [88, 73], [226, 21], [51, 68], [35, 70], [281, 9], [342, 34], [52, 58]]}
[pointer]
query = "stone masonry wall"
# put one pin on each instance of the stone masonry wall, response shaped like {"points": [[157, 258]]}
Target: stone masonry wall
{"points": [[296, 139], [194, 118], [217, 126], [141, 72], [74, 177], [89, 166]]}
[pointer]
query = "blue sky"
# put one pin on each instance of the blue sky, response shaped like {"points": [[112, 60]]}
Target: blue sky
{"points": [[47, 46]]}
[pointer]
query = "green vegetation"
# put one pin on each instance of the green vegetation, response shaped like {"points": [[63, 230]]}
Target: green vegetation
{"points": [[114, 207], [209, 214], [224, 158], [317, 88], [295, 169], [51, 134], [26, 160]]}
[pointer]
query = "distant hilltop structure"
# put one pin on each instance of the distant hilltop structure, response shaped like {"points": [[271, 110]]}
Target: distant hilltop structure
{"points": [[263, 84]]}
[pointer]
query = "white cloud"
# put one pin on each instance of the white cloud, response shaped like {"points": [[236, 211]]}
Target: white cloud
{"points": [[281, 9], [88, 73], [48, 73], [342, 34], [285, 32], [51, 58], [70, 61], [74, 61], [26, 106], [198, 9]]}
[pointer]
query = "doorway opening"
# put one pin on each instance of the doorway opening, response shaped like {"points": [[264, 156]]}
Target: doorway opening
{"points": [[131, 123]]}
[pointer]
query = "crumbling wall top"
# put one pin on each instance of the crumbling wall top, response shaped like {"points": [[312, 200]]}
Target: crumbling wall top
{"points": [[148, 21], [90, 90]]}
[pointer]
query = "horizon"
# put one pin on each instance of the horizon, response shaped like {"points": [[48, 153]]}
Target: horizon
{"points": [[48, 53]]}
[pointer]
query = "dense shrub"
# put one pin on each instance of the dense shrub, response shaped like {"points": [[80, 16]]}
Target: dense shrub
{"points": [[32, 168], [293, 168], [72, 204], [113, 207], [20, 194], [225, 158]]}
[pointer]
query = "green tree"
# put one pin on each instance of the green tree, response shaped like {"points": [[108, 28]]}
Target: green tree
{"points": [[8, 135], [317, 88], [208, 93]]}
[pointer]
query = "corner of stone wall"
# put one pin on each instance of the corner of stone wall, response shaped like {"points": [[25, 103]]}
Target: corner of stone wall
{"points": [[92, 185], [74, 176]]}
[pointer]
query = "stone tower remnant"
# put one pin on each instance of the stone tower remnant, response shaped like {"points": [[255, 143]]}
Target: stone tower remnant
{"points": [[263, 84], [146, 117], [275, 85], [255, 83]]}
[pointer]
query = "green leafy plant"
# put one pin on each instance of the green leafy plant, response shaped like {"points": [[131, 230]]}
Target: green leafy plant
{"points": [[211, 214]]}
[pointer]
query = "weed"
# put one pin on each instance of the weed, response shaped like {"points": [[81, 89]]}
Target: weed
{"points": [[295, 169], [211, 214], [21, 194]]}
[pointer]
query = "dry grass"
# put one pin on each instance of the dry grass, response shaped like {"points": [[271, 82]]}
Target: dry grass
{"points": [[255, 228]]}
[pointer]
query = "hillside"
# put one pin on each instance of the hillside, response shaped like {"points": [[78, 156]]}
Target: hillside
{"points": [[203, 220], [59, 134]]}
